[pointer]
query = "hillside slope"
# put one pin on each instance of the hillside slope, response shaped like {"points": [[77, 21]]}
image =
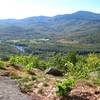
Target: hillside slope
{"points": [[78, 24]]}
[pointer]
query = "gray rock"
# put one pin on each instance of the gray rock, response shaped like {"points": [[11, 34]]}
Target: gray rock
{"points": [[9, 90], [1, 96], [54, 71]]}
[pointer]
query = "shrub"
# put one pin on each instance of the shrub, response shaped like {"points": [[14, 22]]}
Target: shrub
{"points": [[93, 62], [34, 78], [64, 88], [1, 64], [43, 64], [29, 66], [28, 61], [71, 57]]}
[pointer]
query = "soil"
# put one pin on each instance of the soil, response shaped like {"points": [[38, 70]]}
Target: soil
{"points": [[44, 89], [82, 91], [85, 91]]}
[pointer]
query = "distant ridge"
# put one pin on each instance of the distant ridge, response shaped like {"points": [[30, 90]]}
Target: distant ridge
{"points": [[78, 24]]}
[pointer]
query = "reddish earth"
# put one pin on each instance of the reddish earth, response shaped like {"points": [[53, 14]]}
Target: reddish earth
{"points": [[82, 91], [44, 89], [85, 91]]}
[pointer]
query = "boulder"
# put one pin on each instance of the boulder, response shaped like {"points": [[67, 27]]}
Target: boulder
{"points": [[54, 71]]}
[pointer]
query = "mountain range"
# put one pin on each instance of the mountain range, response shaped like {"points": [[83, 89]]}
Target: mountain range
{"points": [[81, 25]]}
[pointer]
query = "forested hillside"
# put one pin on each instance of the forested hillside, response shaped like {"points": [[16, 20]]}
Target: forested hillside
{"points": [[80, 25]]}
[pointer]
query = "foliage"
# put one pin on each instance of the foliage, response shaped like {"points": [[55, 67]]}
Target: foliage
{"points": [[64, 63], [83, 67], [64, 87], [57, 61], [96, 81], [34, 78], [93, 62], [44, 64], [29, 62], [1, 64], [72, 64], [71, 57]]}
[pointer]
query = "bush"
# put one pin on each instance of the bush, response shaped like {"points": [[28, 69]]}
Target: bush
{"points": [[71, 57], [43, 65], [93, 62], [64, 88], [29, 66], [34, 78], [1, 65], [29, 62]]}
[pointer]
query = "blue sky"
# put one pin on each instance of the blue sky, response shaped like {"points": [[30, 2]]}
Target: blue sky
{"points": [[26, 8]]}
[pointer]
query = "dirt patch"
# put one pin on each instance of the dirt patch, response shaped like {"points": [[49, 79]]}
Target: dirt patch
{"points": [[85, 91], [82, 91], [63, 41], [43, 88]]}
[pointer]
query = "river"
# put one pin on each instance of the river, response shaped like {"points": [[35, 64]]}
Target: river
{"points": [[21, 48]]}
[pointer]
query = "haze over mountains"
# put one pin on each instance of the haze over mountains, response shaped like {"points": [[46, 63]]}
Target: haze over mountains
{"points": [[81, 24]]}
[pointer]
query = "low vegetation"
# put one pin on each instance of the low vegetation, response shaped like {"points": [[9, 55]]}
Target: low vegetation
{"points": [[64, 87], [75, 67]]}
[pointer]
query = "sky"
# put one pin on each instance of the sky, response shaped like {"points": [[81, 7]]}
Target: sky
{"points": [[19, 9]]}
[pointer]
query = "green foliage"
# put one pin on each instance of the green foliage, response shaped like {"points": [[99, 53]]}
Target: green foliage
{"points": [[34, 78], [81, 71], [64, 62], [64, 87], [44, 64], [71, 57], [77, 66], [93, 62], [57, 61], [1, 64], [29, 62], [29, 66], [96, 81], [12, 60], [17, 60], [83, 67]]}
